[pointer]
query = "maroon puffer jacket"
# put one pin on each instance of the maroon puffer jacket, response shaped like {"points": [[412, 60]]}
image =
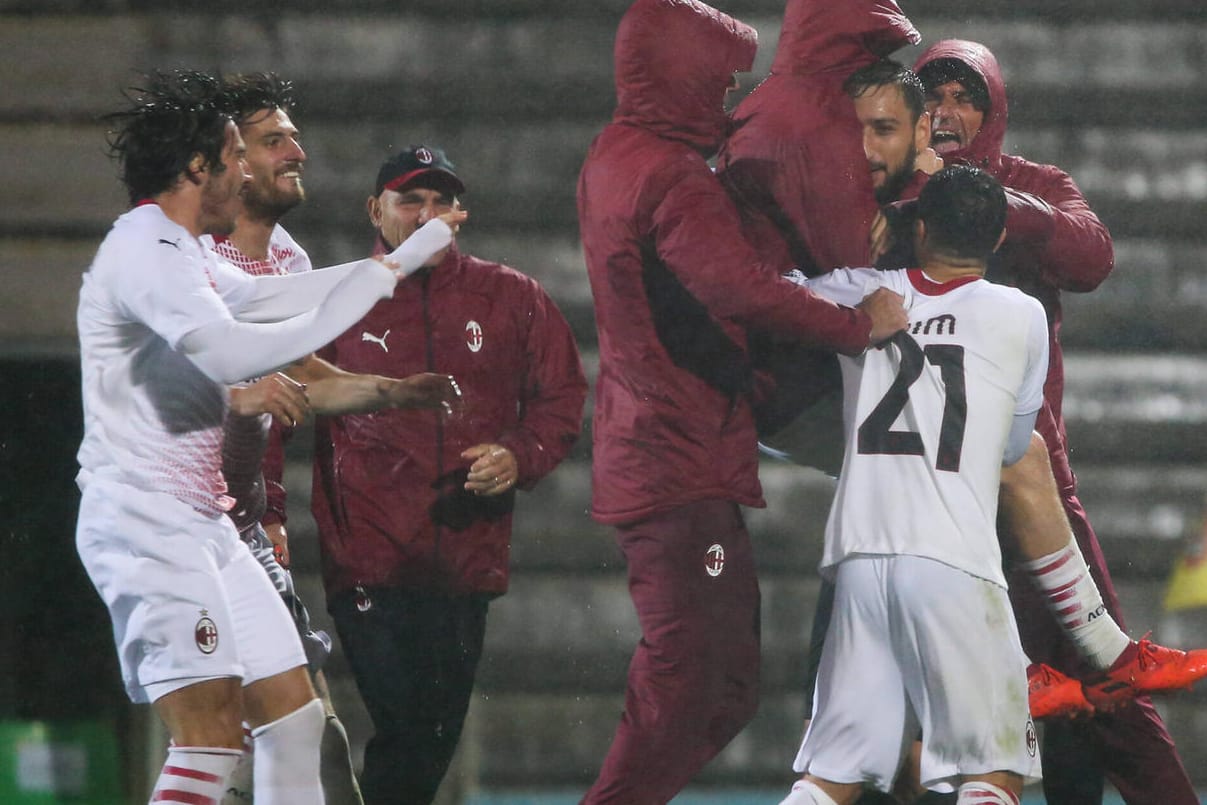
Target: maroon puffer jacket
{"points": [[388, 491], [795, 157], [1054, 241], [675, 283]]}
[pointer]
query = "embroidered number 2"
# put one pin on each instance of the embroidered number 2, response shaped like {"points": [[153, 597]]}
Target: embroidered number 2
{"points": [[875, 435]]}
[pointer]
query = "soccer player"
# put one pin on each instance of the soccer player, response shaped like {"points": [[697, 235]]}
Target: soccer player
{"points": [[923, 635], [1040, 523], [164, 329], [261, 104]]}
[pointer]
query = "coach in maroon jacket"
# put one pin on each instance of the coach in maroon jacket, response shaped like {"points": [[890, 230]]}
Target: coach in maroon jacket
{"points": [[676, 286], [1054, 243], [414, 507]]}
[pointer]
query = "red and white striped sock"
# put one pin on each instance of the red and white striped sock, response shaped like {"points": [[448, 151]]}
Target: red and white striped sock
{"points": [[1073, 598], [194, 775], [982, 793]]}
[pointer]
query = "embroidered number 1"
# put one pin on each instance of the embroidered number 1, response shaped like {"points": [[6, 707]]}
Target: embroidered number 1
{"points": [[875, 434]]}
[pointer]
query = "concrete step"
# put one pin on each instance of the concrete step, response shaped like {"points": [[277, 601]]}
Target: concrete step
{"points": [[507, 52], [1142, 515], [1152, 301], [550, 687], [588, 9], [521, 176]]}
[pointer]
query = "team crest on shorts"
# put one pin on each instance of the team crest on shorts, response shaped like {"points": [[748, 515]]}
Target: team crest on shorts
{"points": [[473, 335], [1032, 739], [714, 559], [206, 634]]}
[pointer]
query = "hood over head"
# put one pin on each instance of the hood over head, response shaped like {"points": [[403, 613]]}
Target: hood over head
{"points": [[840, 36], [674, 60], [985, 150]]}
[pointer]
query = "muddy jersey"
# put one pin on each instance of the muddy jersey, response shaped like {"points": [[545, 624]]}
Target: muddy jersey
{"points": [[152, 419]]}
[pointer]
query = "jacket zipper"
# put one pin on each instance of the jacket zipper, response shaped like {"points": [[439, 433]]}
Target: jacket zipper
{"points": [[430, 349]]}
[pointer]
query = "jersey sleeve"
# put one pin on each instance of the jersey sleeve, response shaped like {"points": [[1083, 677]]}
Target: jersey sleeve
{"points": [[846, 286], [172, 288], [1031, 392]]}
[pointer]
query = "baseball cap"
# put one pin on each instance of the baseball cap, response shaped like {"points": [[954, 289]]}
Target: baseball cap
{"points": [[402, 169]]}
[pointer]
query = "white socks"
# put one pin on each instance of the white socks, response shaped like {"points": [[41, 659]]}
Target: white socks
{"points": [[239, 784], [982, 793], [286, 755], [806, 793], [194, 775], [1074, 599]]}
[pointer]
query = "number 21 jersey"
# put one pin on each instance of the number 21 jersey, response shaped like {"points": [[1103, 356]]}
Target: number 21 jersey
{"points": [[927, 415]]}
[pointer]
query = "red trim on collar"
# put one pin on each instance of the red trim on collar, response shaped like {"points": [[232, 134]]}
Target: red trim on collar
{"points": [[144, 202], [928, 287]]}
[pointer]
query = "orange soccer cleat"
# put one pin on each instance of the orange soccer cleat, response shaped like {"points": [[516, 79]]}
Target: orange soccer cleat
{"points": [[1148, 667], [1054, 695]]}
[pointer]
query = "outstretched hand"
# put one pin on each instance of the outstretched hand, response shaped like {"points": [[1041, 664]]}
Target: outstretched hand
{"points": [[426, 390], [278, 394]]}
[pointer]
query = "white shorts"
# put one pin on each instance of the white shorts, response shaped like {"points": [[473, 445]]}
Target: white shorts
{"points": [[187, 600], [916, 645]]}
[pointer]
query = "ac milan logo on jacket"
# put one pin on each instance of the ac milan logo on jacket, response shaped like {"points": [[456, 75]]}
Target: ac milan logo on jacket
{"points": [[714, 560], [473, 335], [424, 156], [1032, 738], [206, 634]]}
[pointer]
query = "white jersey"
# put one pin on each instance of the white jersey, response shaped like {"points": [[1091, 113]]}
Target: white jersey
{"points": [[285, 256], [152, 419], [246, 438], [926, 419]]}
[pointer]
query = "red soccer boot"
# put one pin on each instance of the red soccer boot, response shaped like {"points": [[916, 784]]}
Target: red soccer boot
{"points": [[1054, 695]]}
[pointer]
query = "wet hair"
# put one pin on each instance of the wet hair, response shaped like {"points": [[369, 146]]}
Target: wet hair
{"points": [[250, 93], [964, 209], [173, 117], [887, 72], [941, 71]]}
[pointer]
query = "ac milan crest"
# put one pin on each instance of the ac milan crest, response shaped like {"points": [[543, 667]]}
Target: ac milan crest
{"points": [[206, 634], [1032, 739], [424, 156], [714, 561], [473, 335]]}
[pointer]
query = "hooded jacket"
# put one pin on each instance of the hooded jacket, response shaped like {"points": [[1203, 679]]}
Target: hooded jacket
{"points": [[388, 492], [674, 282], [795, 157], [1054, 241]]}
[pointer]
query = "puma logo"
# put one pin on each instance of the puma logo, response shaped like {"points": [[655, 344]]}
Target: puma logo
{"points": [[175, 244], [364, 336]]}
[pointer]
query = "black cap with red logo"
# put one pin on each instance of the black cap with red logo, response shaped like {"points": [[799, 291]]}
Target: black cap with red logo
{"points": [[419, 165]]}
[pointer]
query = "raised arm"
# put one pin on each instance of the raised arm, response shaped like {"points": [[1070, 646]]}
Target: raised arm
{"points": [[699, 239]]}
